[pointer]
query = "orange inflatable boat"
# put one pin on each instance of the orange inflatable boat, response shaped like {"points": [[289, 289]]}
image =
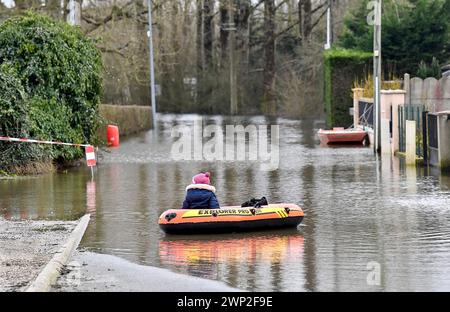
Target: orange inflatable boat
{"points": [[230, 219]]}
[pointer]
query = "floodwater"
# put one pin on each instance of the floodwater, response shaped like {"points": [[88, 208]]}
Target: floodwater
{"points": [[371, 224]]}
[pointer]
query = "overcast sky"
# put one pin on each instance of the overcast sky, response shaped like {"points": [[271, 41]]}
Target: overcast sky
{"points": [[8, 3]]}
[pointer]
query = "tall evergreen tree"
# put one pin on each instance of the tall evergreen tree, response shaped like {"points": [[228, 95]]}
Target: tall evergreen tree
{"points": [[412, 31]]}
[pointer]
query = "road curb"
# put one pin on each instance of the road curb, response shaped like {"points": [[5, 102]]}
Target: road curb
{"points": [[52, 270]]}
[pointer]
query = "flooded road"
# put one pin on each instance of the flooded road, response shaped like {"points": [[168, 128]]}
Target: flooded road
{"points": [[364, 215]]}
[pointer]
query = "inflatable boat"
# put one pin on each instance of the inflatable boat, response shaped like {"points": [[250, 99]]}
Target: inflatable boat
{"points": [[230, 219]]}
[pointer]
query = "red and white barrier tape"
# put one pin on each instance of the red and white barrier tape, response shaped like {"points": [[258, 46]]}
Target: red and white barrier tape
{"points": [[41, 142], [89, 149]]}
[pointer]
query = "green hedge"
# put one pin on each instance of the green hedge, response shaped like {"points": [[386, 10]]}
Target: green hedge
{"points": [[57, 71], [129, 118], [341, 68]]}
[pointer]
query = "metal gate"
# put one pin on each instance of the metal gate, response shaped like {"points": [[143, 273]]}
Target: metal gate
{"points": [[432, 131], [433, 145], [365, 113], [410, 112]]}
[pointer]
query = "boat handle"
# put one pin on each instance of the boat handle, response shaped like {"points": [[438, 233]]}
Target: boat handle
{"points": [[170, 216]]}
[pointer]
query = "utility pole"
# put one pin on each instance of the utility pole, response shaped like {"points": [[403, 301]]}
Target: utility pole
{"points": [[232, 57], [329, 26], [152, 70], [377, 75]]}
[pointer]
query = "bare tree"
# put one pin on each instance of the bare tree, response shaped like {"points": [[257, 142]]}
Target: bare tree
{"points": [[243, 33], [268, 101], [224, 20], [276, 54], [200, 56], [307, 20], [208, 35]]}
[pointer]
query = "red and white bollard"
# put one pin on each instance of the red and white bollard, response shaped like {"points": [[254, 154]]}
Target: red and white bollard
{"points": [[91, 161]]}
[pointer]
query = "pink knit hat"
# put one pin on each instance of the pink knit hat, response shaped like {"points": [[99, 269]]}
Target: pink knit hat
{"points": [[201, 178]]}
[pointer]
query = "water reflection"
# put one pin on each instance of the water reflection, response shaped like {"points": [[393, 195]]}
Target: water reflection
{"points": [[249, 258], [50, 196], [91, 197]]}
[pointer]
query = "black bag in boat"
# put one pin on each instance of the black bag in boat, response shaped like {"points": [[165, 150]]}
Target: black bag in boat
{"points": [[255, 203]]}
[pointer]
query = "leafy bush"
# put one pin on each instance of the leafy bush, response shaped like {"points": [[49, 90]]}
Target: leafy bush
{"points": [[14, 121], [49, 120], [59, 69], [433, 70], [366, 83]]}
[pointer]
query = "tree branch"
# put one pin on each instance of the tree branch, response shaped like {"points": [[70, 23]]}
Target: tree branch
{"points": [[253, 8], [115, 50], [319, 7], [287, 29], [318, 20], [280, 4], [120, 12]]}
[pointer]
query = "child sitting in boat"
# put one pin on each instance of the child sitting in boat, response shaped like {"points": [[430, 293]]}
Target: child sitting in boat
{"points": [[200, 194]]}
